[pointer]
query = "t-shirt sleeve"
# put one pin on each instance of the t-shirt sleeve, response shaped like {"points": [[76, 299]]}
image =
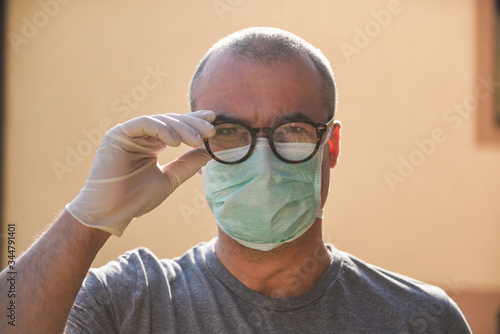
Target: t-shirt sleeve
{"points": [[108, 296], [436, 313], [92, 311], [116, 298]]}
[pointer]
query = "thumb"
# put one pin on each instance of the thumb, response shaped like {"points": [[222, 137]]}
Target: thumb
{"points": [[186, 166]]}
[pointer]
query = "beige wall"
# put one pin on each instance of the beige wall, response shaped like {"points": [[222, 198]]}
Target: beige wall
{"points": [[404, 84]]}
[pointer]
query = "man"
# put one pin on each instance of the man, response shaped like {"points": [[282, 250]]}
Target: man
{"points": [[264, 101]]}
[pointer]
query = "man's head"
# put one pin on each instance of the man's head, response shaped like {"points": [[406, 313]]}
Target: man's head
{"points": [[265, 77], [264, 46]]}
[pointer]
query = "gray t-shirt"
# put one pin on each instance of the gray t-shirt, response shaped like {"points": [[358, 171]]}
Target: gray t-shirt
{"points": [[194, 293]]}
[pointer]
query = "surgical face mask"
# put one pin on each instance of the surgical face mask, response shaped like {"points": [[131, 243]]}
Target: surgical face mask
{"points": [[264, 202]]}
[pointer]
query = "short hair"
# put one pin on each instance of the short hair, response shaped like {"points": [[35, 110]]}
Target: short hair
{"points": [[264, 45]]}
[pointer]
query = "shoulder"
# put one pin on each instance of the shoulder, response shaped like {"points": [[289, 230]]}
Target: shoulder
{"points": [[141, 263], [130, 291], [423, 306], [385, 281], [128, 265]]}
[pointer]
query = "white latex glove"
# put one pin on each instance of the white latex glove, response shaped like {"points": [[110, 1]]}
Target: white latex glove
{"points": [[126, 180]]}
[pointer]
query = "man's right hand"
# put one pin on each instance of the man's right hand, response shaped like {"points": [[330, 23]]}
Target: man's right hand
{"points": [[126, 180]]}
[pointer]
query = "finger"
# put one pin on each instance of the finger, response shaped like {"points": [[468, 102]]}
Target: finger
{"points": [[199, 121], [186, 133], [191, 130], [151, 127], [186, 166], [172, 129], [207, 115]]}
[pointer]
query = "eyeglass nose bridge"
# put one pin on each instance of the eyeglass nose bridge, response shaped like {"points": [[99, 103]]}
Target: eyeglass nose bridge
{"points": [[262, 132]]}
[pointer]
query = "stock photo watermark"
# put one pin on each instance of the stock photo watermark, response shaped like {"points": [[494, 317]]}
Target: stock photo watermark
{"points": [[303, 271], [48, 9], [222, 7], [454, 288], [453, 117], [121, 107], [425, 317], [365, 34], [197, 205], [12, 273], [300, 273]]}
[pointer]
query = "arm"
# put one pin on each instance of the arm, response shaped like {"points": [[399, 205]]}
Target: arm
{"points": [[125, 182], [50, 274]]}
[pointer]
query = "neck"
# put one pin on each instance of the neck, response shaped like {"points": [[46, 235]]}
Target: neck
{"points": [[286, 271]]}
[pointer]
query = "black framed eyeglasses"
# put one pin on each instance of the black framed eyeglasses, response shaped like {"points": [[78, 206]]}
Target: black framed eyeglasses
{"points": [[291, 141]]}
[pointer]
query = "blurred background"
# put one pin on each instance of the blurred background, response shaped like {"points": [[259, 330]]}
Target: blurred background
{"points": [[416, 190]]}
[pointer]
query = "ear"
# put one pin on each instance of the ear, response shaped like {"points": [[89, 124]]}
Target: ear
{"points": [[334, 143]]}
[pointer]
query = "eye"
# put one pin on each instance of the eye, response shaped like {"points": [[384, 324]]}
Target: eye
{"points": [[295, 132], [295, 129], [227, 131]]}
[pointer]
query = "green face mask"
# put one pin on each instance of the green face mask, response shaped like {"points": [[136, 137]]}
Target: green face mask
{"points": [[264, 202]]}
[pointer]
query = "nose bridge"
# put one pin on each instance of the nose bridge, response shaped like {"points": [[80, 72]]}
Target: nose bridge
{"points": [[263, 155]]}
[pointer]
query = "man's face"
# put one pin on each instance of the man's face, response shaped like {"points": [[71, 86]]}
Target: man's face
{"points": [[263, 95]]}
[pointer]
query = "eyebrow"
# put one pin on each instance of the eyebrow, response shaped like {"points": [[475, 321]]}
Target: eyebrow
{"points": [[225, 117], [292, 117], [278, 119]]}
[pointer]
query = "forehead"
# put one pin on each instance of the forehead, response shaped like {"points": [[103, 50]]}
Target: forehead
{"points": [[261, 94]]}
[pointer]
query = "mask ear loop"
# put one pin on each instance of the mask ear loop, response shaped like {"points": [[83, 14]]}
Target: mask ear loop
{"points": [[326, 140]]}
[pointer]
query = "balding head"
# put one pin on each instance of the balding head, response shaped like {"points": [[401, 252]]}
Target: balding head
{"points": [[263, 46]]}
